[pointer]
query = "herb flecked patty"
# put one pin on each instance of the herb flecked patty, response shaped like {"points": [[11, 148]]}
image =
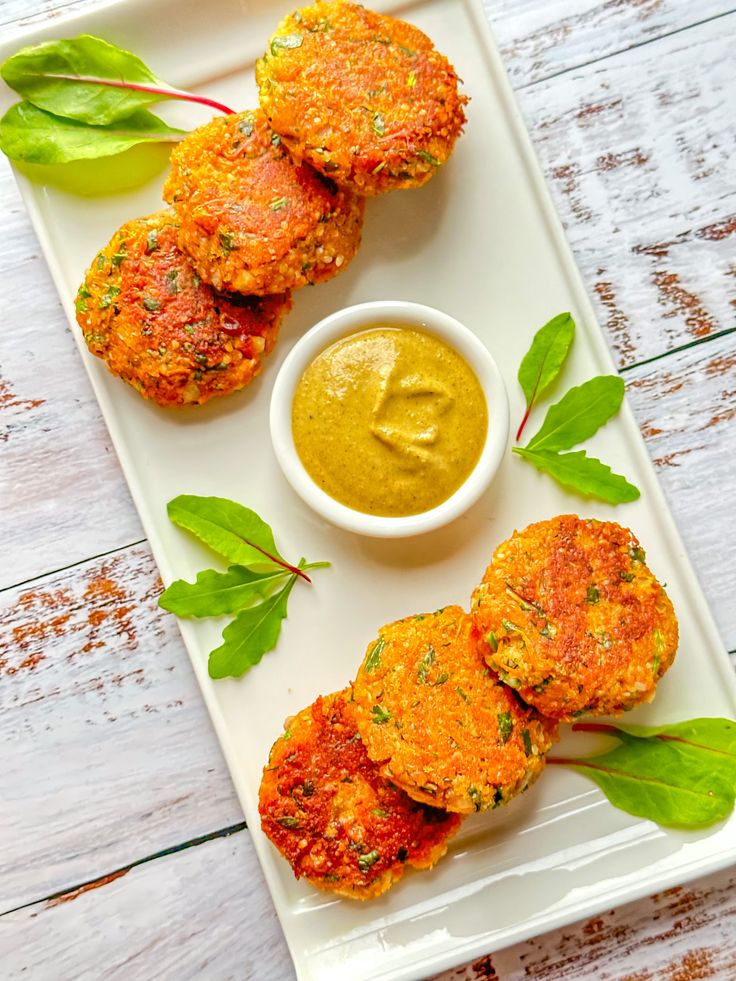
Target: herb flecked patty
{"points": [[365, 98], [144, 310], [331, 814], [252, 220], [574, 620], [439, 723]]}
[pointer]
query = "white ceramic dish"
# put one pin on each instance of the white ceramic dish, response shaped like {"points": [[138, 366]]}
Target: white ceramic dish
{"points": [[481, 241], [341, 324]]}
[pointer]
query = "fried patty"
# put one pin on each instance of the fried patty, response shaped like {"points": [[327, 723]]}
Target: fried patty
{"points": [[365, 98], [331, 814], [145, 311], [440, 724], [251, 219], [574, 620]]}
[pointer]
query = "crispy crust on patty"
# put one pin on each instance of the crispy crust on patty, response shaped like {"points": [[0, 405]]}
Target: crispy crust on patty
{"points": [[365, 98], [334, 818], [252, 220], [439, 723], [145, 312], [574, 619]]}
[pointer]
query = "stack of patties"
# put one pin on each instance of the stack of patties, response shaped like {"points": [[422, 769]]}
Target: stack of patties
{"points": [[455, 712], [354, 103]]}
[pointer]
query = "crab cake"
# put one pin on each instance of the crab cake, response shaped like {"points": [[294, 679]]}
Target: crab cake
{"points": [[440, 724], [363, 97], [331, 814], [146, 313], [573, 619], [251, 219]]}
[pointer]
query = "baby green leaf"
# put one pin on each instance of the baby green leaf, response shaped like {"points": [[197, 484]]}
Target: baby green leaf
{"points": [[31, 135], [579, 414], [543, 361], [582, 473], [663, 780], [251, 634], [231, 530], [88, 79], [216, 594], [711, 740], [67, 78]]}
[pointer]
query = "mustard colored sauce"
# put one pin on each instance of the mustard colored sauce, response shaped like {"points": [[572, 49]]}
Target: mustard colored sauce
{"points": [[389, 421]]}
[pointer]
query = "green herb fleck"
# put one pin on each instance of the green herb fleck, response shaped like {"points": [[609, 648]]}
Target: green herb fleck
{"points": [[247, 124], [120, 255], [101, 261], [411, 80], [378, 123], [626, 576], [227, 242], [475, 797], [150, 304], [592, 596], [379, 812], [428, 158], [172, 284], [288, 821], [505, 726], [275, 139], [286, 41], [441, 679], [107, 297], [426, 663], [368, 860], [510, 627], [373, 661], [527, 740], [637, 554], [465, 697], [380, 715], [407, 51], [278, 204], [492, 641]]}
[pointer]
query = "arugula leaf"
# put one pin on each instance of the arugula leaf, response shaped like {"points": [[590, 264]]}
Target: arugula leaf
{"points": [[251, 634], [656, 776], [216, 594], [231, 530], [543, 361], [582, 473], [31, 135], [88, 79], [579, 414]]}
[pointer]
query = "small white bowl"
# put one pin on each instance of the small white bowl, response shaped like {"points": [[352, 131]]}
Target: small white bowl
{"points": [[351, 320]]}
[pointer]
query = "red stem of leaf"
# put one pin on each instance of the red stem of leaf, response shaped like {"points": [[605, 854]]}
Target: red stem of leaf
{"points": [[153, 89], [520, 430], [285, 565], [594, 727]]}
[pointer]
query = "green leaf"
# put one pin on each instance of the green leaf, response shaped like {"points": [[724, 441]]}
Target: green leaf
{"points": [[67, 78], [216, 594], [543, 361], [711, 740], [582, 473], [231, 530], [31, 135], [653, 779], [579, 414], [251, 634]]}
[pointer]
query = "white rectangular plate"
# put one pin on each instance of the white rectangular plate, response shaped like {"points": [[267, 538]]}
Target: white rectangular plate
{"points": [[481, 242]]}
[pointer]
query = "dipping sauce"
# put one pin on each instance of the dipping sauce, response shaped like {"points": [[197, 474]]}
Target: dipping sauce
{"points": [[389, 421]]}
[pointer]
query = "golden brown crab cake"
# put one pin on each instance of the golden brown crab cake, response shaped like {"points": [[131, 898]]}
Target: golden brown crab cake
{"points": [[331, 814], [363, 97], [440, 724], [145, 311], [252, 220], [573, 618]]}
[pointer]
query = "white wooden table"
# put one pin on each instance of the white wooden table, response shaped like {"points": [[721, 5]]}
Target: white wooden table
{"points": [[123, 851]]}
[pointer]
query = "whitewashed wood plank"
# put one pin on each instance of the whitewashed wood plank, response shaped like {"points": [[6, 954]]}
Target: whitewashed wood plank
{"points": [[539, 39], [202, 914], [685, 405], [108, 752], [638, 153], [63, 496]]}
